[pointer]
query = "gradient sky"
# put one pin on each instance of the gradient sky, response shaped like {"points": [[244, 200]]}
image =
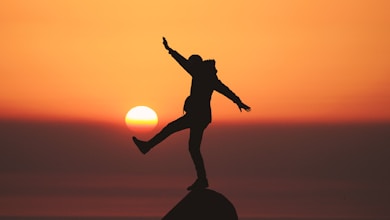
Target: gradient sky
{"points": [[63, 62], [290, 60]]}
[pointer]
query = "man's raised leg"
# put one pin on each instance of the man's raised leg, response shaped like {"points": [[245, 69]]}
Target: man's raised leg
{"points": [[175, 126]]}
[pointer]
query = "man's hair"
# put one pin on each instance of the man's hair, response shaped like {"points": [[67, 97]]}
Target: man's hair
{"points": [[195, 58]]}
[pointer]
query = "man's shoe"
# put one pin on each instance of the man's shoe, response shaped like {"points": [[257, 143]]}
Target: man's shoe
{"points": [[199, 184], [142, 145]]}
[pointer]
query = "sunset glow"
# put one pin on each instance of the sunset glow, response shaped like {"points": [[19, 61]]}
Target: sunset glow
{"points": [[316, 74], [289, 60]]}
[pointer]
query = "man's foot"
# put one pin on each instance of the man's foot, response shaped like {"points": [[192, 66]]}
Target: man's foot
{"points": [[142, 145], [200, 183]]}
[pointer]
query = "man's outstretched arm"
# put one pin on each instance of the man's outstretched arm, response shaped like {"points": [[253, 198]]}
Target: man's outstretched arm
{"points": [[177, 56], [223, 89]]}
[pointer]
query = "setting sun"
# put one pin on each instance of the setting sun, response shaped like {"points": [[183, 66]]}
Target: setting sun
{"points": [[141, 118]]}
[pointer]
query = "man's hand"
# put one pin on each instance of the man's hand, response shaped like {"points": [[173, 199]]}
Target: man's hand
{"points": [[166, 44], [243, 106]]}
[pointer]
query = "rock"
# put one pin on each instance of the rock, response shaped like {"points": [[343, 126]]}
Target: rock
{"points": [[203, 205]]}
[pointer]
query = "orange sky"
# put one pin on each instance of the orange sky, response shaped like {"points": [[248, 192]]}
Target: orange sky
{"points": [[288, 60]]}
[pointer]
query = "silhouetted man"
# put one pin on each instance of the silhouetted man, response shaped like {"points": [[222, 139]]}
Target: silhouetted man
{"points": [[197, 110]]}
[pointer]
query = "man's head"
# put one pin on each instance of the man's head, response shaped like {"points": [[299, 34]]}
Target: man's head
{"points": [[195, 59]]}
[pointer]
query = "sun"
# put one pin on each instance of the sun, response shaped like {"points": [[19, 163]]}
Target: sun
{"points": [[141, 119]]}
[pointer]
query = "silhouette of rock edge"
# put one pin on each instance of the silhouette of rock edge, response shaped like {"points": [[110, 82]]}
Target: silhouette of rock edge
{"points": [[203, 205]]}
